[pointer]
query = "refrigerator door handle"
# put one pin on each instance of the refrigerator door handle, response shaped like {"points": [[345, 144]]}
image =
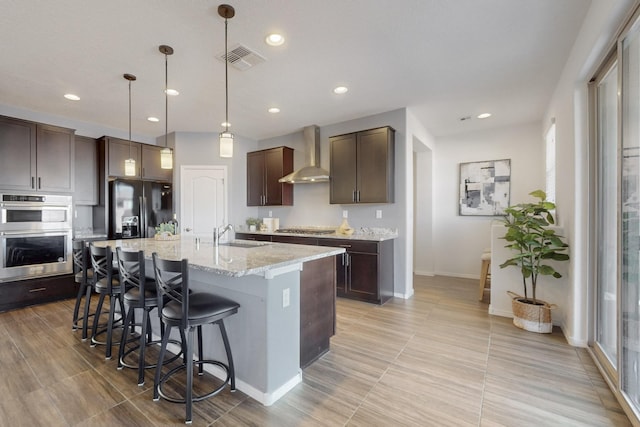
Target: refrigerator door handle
{"points": [[142, 225]]}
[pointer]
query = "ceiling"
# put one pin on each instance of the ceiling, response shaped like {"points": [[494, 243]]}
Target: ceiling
{"points": [[444, 59]]}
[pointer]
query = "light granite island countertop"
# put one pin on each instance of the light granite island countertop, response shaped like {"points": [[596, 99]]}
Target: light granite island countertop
{"points": [[271, 282]]}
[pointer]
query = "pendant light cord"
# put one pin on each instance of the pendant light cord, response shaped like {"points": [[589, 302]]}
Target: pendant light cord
{"points": [[226, 78], [166, 100], [129, 118]]}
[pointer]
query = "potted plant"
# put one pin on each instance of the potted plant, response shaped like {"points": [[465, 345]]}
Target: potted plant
{"points": [[529, 235], [253, 223]]}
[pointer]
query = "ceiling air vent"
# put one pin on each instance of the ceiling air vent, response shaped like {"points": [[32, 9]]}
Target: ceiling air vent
{"points": [[242, 58]]}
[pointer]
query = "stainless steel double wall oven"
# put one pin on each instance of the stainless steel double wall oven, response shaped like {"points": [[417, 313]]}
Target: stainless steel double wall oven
{"points": [[35, 236]]}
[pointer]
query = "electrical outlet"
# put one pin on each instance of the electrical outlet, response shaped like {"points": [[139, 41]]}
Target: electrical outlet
{"points": [[270, 214], [345, 214], [285, 298], [379, 214]]}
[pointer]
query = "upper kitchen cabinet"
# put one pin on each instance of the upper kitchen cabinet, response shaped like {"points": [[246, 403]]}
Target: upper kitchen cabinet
{"points": [[264, 169], [151, 164], [362, 166], [86, 171], [35, 157], [118, 151]]}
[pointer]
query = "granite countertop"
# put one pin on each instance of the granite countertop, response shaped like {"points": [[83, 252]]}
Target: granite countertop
{"points": [[369, 234], [249, 258]]}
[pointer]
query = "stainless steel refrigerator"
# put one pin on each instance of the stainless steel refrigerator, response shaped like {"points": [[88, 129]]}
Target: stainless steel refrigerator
{"points": [[136, 207]]}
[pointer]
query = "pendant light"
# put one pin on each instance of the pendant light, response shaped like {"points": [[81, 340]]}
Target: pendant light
{"points": [[130, 163], [226, 138], [166, 155]]}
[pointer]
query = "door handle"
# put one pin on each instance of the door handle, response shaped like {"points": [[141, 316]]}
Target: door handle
{"points": [[188, 229], [39, 182], [33, 182]]}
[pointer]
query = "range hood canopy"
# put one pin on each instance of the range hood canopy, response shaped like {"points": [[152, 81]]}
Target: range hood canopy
{"points": [[311, 173]]}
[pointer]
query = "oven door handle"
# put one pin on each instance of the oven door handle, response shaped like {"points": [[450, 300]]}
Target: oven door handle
{"points": [[32, 232], [33, 206]]}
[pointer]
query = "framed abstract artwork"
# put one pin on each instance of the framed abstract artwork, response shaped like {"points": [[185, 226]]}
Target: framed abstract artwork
{"points": [[485, 187]]}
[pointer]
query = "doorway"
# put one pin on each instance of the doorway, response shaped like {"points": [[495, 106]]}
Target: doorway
{"points": [[203, 200]]}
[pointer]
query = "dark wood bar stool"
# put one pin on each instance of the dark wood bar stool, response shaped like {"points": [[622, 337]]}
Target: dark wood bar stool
{"points": [[106, 283], [84, 277], [189, 311], [142, 295]]}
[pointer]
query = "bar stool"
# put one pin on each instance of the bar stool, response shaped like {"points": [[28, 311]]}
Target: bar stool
{"points": [[105, 283], [141, 294], [189, 311], [83, 276], [485, 273]]}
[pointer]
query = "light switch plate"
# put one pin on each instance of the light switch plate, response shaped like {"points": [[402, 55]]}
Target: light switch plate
{"points": [[285, 298], [345, 214], [378, 213]]}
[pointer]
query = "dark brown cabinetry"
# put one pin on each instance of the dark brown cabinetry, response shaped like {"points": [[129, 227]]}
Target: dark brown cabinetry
{"points": [[151, 164], [86, 173], [364, 272], [362, 167], [36, 291], [264, 168], [35, 156], [147, 159], [120, 150]]}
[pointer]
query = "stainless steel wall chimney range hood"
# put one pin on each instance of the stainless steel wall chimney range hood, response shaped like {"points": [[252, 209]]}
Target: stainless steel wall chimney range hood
{"points": [[312, 172]]}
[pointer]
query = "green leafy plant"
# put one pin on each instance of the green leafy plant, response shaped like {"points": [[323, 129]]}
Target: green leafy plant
{"points": [[165, 227], [530, 237], [253, 221]]}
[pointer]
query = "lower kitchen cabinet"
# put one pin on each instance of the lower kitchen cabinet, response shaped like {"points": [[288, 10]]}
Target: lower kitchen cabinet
{"points": [[23, 293], [364, 272]]}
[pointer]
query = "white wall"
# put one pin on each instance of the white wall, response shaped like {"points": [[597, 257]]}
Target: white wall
{"points": [[460, 240], [569, 107]]}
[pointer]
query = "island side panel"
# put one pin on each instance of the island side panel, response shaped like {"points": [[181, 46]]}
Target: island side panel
{"points": [[264, 335], [317, 308]]}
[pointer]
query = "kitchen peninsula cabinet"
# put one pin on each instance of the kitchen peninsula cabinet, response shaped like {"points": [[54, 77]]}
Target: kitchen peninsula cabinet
{"points": [[86, 173], [35, 157], [362, 167], [364, 272], [264, 169]]}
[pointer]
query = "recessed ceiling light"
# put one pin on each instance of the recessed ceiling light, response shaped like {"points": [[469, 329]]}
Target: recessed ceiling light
{"points": [[153, 119], [72, 97], [274, 39], [484, 115], [225, 125], [274, 110], [172, 92], [340, 90]]}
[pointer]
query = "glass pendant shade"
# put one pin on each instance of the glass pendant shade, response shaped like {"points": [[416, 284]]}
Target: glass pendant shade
{"points": [[166, 158], [130, 167], [226, 144]]}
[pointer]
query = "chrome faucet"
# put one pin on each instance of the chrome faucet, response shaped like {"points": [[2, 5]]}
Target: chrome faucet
{"points": [[218, 232]]}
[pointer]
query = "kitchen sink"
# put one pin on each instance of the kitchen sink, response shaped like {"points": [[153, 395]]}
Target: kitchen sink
{"points": [[245, 244]]}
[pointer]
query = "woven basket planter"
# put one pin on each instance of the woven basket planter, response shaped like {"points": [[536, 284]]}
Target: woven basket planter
{"points": [[530, 317]]}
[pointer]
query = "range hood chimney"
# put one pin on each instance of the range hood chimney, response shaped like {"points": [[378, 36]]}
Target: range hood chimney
{"points": [[312, 172]]}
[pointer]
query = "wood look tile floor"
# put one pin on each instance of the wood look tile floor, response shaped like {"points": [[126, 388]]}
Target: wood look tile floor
{"points": [[437, 359]]}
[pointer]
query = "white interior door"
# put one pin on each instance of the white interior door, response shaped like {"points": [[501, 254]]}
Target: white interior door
{"points": [[203, 200]]}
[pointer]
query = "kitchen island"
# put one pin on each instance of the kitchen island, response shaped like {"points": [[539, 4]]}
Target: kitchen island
{"points": [[269, 281]]}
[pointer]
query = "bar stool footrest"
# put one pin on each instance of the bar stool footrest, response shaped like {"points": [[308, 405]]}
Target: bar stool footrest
{"points": [[195, 398], [132, 349]]}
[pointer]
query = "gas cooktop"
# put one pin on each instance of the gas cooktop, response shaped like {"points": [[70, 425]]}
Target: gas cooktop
{"points": [[305, 231]]}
